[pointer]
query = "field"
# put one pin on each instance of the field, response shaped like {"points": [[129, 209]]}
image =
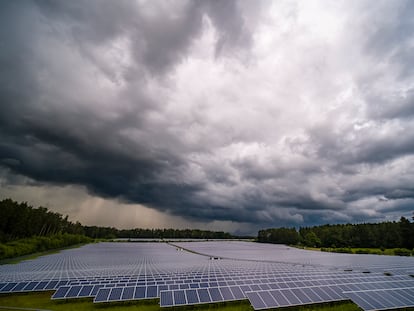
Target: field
{"points": [[42, 301], [228, 275]]}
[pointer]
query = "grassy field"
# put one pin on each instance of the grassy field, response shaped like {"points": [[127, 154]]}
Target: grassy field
{"points": [[42, 301]]}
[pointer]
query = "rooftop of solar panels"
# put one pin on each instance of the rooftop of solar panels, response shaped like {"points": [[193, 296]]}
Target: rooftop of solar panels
{"points": [[183, 273]]}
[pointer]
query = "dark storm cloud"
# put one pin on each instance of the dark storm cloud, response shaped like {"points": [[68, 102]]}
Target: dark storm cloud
{"points": [[154, 103], [69, 142]]}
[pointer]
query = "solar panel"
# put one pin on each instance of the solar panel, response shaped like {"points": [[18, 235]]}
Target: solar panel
{"points": [[61, 283], [291, 297], [237, 292], [61, 292], [152, 292], [204, 295], [226, 293], [179, 297], [166, 299], [85, 291], [192, 296], [140, 292], [128, 293], [19, 287], [51, 285], [102, 295], [95, 289], [215, 294], [8, 287], [383, 299], [73, 291], [115, 294]]}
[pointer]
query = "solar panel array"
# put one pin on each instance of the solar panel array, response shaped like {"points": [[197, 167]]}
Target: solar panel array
{"points": [[266, 275]]}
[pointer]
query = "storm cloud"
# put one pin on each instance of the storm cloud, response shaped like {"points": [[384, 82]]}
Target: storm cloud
{"points": [[261, 113]]}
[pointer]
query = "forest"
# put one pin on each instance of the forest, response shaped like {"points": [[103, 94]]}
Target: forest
{"points": [[25, 229], [396, 234]]}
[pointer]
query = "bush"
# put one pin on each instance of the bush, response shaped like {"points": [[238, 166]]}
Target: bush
{"points": [[343, 250], [363, 251], [375, 252], [39, 244], [402, 252]]}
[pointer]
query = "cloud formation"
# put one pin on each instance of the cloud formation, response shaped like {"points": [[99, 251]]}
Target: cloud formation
{"points": [[285, 113]]}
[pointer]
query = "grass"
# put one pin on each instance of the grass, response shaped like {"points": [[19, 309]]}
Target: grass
{"points": [[16, 260], [42, 301]]}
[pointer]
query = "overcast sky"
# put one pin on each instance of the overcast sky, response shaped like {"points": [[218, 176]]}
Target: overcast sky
{"points": [[224, 115]]}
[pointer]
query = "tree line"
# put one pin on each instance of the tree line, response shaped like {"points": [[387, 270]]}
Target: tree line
{"points": [[20, 220], [139, 233], [396, 234]]}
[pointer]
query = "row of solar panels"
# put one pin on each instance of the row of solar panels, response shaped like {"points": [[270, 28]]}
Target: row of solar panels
{"points": [[201, 295], [383, 299], [367, 300], [294, 296], [210, 277], [105, 293], [176, 276], [217, 270], [137, 282], [173, 277], [180, 284], [199, 283], [375, 299], [30, 286], [273, 298], [126, 293], [369, 296]]}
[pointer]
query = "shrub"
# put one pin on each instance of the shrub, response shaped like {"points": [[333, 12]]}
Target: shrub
{"points": [[402, 252], [343, 250], [39, 244], [375, 252]]}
